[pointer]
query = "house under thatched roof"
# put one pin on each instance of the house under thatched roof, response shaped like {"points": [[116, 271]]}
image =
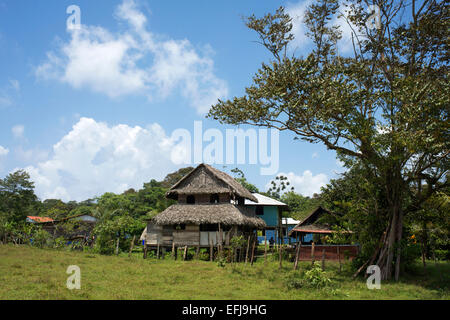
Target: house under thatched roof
{"points": [[210, 209]]}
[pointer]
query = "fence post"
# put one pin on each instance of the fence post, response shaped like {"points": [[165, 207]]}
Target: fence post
{"points": [[297, 256]]}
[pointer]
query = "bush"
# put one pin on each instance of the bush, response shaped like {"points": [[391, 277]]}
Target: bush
{"points": [[315, 277], [42, 238], [442, 255], [59, 243]]}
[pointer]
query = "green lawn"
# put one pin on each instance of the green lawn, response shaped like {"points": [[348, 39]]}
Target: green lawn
{"points": [[31, 273]]}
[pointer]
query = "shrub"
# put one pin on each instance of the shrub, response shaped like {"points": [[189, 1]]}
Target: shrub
{"points": [[42, 238], [59, 243], [315, 277], [442, 255]]}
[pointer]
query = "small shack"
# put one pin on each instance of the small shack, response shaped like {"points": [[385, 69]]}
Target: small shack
{"points": [[311, 235], [71, 228], [210, 212]]}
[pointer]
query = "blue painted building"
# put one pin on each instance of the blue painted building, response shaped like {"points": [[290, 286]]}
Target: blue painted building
{"points": [[270, 210]]}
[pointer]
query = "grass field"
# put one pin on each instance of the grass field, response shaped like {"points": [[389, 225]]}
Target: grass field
{"points": [[31, 273]]}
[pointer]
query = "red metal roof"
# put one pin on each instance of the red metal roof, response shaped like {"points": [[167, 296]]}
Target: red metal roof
{"points": [[40, 219]]}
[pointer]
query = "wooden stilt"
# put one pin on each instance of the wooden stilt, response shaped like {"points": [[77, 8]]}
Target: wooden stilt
{"points": [[132, 245], [248, 248], [145, 248], [185, 253], [312, 253], [253, 250], [211, 251], [157, 251], [265, 249], [173, 250]]}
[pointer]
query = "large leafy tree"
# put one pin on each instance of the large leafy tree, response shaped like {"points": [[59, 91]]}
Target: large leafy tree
{"points": [[17, 198], [385, 107]]}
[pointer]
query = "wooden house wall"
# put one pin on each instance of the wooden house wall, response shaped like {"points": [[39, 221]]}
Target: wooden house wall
{"points": [[190, 236]]}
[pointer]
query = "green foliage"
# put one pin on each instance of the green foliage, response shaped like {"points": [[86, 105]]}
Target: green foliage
{"points": [[299, 205], [314, 277], [278, 186], [17, 198], [238, 242], [42, 238]]}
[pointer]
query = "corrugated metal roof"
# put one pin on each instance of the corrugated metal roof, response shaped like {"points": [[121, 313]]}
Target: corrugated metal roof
{"points": [[264, 201], [40, 219], [289, 221]]}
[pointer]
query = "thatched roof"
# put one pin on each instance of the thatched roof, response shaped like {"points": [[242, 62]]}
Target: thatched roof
{"points": [[310, 224], [223, 213], [208, 180]]}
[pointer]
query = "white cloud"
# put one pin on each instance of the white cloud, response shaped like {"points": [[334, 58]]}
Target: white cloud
{"points": [[136, 61], [315, 155], [299, 29], [94, 158], [3, 151], [306, 184], [18, 131]]}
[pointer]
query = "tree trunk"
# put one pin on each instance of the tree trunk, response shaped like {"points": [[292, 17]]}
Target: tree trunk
{"points": [[392, 242]]}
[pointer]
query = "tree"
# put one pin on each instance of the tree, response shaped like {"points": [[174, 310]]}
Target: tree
{"points": [[385, 107], [300, 206], [278, 186], [17, 198]]}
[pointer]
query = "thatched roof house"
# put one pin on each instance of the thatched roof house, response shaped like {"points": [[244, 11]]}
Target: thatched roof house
{"points": [[210, 207]]}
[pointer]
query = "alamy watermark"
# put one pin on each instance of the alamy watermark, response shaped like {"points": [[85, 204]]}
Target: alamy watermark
{"points": [[374, 280], [237, 146], [374, 20], [74, 20], [74, 280]]}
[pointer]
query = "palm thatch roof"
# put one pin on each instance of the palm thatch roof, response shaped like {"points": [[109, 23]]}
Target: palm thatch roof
{"points": [[208, 180], [311, 225], [223, 213]]}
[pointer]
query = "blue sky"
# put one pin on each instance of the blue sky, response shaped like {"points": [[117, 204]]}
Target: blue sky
{"points": [[92, 111]]}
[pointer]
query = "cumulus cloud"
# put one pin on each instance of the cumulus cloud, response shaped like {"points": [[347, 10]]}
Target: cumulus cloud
{"points": [[94, 158], [18, 131], [305, 184], [297, 12], [135, 61]]}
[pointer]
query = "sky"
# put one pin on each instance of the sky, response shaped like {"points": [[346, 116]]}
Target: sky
{"points": [[92, 110]]}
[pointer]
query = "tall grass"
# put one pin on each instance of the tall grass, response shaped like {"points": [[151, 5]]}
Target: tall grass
{"points": [[32, 273]]}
